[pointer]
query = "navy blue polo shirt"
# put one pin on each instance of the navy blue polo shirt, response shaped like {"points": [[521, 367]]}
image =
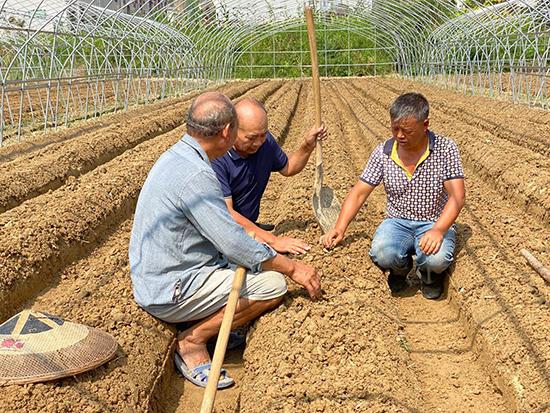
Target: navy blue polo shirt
{"points": [[245, 179]]}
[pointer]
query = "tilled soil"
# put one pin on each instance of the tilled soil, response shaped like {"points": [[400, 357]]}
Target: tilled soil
{"points": [[51, 166], [484, 347]]}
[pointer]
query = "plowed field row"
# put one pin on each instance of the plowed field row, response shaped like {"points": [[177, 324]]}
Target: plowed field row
{"points": [[48, 168], [76, 251], [359, 349], [340, 354], [71, 101], [40, 139], [519, 124]]}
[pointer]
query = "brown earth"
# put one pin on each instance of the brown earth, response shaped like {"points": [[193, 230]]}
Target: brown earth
{"points": [[52, 165], [483, 347], [37, 140]]}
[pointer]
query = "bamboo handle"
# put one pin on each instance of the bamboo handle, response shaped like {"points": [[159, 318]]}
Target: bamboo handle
{"points": [[537, 265], [314, 65], [314, 78], [223, 337]]}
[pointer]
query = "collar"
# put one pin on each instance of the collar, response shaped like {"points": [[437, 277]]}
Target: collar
{"points": [[388, 145], [190, 141], [233, 154]]}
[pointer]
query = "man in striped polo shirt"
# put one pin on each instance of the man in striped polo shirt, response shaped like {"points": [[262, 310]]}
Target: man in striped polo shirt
{"points": [[424, 181]]}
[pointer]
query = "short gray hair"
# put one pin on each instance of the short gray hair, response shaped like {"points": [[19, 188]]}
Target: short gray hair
{"points": [[410, 105], [208, 118]]}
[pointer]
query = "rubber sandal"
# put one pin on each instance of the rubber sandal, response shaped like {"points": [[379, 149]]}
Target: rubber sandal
{"points": [[199, 375]]}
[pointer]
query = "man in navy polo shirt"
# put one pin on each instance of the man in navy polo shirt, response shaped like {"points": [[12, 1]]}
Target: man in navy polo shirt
{"points": [[424, 182], [244, 171]]}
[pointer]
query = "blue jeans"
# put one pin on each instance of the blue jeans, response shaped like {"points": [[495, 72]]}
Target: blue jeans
{"points": [[396, 241]]}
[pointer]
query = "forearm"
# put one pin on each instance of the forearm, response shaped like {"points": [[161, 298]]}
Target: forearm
{"points": [[353, 202], [449, 215], [279, 263], [457, 195], [297, 160]]}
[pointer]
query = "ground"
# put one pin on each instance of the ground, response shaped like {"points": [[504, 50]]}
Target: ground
{"points": [[67, 201]]}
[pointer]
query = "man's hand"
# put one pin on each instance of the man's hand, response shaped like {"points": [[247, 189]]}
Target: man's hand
{"points": [[297, 160], [431, 241], [291, 245], [308, 277], [332, 238], [316, 134]]}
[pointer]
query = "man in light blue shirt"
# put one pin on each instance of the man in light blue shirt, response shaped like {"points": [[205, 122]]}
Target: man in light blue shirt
{"points": [[185, 245]]}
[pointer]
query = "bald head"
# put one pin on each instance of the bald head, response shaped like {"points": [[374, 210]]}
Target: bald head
{"points": [[251, 112], [252, 129], [209, 113]]}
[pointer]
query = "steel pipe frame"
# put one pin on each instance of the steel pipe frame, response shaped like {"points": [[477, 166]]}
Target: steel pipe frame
{"points": [[172, 47]]}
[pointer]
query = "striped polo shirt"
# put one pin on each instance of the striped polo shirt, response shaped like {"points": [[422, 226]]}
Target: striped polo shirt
{"points": [[422, 196]]}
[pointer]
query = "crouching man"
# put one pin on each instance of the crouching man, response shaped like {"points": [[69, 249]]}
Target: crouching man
{"points": [[424, 183], [185, 245]]}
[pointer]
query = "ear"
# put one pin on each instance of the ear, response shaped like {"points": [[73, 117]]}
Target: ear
{"points": [[426, 123], [226, 132]]}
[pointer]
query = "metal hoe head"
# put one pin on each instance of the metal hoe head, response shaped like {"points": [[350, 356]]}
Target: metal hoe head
{"points": [[325, 204]]}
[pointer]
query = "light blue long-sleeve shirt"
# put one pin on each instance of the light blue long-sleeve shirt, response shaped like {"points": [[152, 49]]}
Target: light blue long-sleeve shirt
{"points": [[182, 230]]}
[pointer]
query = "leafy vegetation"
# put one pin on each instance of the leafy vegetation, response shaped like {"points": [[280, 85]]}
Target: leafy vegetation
{"points": [[346, 47]]}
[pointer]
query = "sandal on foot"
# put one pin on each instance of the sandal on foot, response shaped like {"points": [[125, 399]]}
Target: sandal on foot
{"points": [[199, 375]]}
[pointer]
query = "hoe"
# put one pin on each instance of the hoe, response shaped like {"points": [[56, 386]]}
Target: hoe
{"points": [[325, 204]]}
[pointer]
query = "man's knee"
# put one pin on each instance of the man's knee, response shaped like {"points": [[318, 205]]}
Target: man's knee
{"points": [[266, 286], [386, 255], [276, 285], [276, 288]]}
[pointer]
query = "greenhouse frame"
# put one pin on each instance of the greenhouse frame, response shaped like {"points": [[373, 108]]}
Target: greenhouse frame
{"points": [[65, 60]]}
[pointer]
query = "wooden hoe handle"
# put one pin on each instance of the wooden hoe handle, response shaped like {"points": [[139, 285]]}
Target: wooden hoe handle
{"points": [[223, 337], [314, 65]]}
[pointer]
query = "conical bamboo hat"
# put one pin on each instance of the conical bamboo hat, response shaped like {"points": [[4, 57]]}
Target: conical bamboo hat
{"points": [[36, 346]]}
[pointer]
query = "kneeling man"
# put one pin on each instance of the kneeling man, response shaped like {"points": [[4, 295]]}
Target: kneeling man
{"points": [[185, 245], [424, 182], [245, 170]]}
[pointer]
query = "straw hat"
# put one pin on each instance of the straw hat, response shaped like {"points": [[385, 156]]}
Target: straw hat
{"points": [[36, 346]]}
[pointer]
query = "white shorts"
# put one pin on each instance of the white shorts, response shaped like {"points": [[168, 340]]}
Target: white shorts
{"points": [[214, 294]]}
